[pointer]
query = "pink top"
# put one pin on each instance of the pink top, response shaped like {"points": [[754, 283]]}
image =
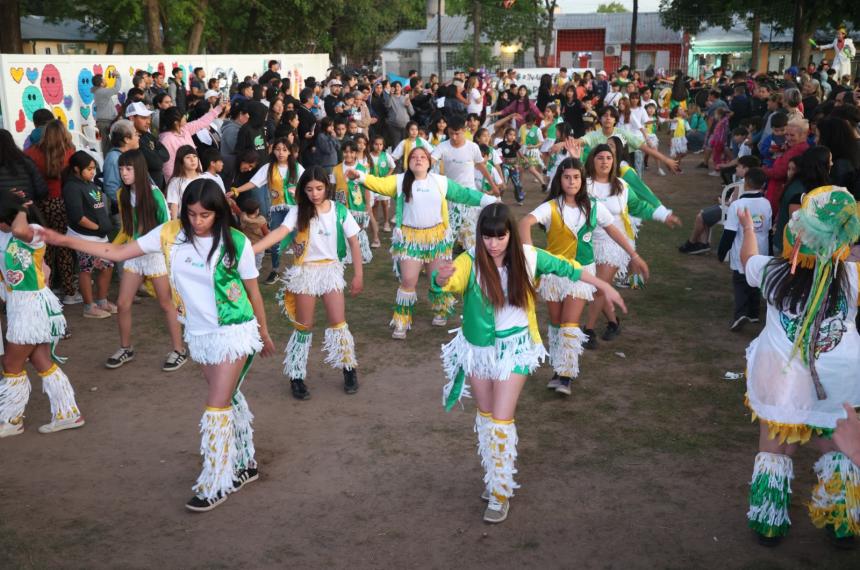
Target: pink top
{"points": [[172, 141]]}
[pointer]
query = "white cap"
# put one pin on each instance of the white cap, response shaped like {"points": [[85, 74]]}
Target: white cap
{"points": [[138, 109], [211, 93], [601, 72]]}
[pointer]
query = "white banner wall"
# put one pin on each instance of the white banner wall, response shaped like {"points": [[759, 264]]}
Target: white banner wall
{"points": [[62, 83]]}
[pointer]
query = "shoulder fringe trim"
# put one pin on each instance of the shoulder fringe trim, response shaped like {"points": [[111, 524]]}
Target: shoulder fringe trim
{"points": [[339, 347], [14, 395], [228, 343], [297, 350], [836, 497], [770, 494], [570, 341], [61, 395], [243, 433], [219, 453]]}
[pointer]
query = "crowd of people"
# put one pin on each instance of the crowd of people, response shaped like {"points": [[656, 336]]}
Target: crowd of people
{"points": [[198, 185]]}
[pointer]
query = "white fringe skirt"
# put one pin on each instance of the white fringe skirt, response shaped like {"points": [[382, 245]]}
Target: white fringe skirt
{"points": [[34, 317], [555, 289], [513, 354], [228, 344], [607, 252], [315, 278], [148, 265]]}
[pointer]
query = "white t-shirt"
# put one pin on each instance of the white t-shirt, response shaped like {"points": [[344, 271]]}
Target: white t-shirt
{"points": [[398, 151], [615, 204], [216, 178], [323, 232], [261, 177], [175, 189], [476, 102], [761, 212], [193, 276], [638, 118], [509, 316], [459, 162], [424, 210], [573, 217]]}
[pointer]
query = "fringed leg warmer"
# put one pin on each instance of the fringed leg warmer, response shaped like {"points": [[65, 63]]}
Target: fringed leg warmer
{"points": [[442, 304], [503, 456], [836, 497], [243, 434], [56, 385], [483, 425], [552, 344], [339, 347], [14, 395], [569, 350], [770, 494], [296, 359], [402, 318], [218, 448]]}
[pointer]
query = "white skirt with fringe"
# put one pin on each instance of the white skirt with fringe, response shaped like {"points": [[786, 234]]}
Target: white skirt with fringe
{"points": [[227, 344], [148, 265], [495, 362], [363, 220], [607, 252], [555, 289], [314, 278], [678, 147], [34, 317]]}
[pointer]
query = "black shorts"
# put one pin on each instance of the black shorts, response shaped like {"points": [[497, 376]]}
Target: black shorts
{"points": [[712, 215]]}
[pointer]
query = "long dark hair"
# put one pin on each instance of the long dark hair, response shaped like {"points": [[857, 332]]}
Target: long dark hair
{"points": [[208, 194], [307, 209], [11, 203], [619, 150], [616, 184], [789, 292], [813, 170], [583, 200], [145, 204], [496, 220], [169, 118], [292, 170], [179, 160], [10, 155], [409, 176], [841, 138]]}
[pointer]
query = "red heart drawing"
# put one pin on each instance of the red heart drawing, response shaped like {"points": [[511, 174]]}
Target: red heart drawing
{"points": [[161, 69], [97, 69], [14, 277], [21, 122]]}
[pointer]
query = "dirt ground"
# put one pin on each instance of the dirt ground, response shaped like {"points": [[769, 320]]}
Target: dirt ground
{"points": [[646, 465]]}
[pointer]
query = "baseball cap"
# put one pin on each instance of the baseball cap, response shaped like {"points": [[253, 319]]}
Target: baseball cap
{"points": [[335, 83], [211, 93], [138, 109], [601, 72]]}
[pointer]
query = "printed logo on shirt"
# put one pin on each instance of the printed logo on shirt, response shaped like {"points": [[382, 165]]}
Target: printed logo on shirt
{"points": [[586, 238], [832, 328], [195, 264], [758, 222]]}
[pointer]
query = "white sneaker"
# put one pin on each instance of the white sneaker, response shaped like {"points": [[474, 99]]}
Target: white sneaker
{"points": [[713, 173], [439, 321], [10, 429], [94, 312], [660, 171], [60, 425], [485, 496], [497, 511], [399, 333], [75, 299]]}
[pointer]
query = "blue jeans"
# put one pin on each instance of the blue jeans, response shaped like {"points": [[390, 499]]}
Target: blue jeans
{"points": [[276, 218], [512, 173]]}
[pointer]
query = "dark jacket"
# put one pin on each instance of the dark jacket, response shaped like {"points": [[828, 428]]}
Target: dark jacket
{"points": [[86, 200], [326, 151], [307, 123], [24, 176], [252, 135], [156, 155]]}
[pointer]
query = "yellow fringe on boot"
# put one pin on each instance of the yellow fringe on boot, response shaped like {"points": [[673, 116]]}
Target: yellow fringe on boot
{"points": [[836, 496]]}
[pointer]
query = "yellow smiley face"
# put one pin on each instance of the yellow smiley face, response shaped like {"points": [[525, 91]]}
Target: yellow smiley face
{"points": [[60, 114], [110, 76]]}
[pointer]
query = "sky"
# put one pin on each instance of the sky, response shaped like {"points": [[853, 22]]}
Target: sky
{"points": [[591, 5]]}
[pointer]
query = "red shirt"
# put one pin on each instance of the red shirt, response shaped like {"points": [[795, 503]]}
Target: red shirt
{"points": [[55, 186], [777, 174]]}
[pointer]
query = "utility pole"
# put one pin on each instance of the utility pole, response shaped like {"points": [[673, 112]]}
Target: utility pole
{"points": [[439, 39], [634, 21]]}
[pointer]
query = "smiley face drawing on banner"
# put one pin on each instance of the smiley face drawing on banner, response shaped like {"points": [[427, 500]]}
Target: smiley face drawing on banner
{"points": [[85, 86], [32, 101], [52, 85]]}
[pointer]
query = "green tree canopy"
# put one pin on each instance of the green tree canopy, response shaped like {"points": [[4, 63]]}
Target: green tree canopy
{"points": [[611, 8]]}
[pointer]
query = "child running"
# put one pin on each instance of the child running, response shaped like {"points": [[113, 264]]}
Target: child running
{"points": [[35, 323], [323, 230], [499, 344], [213, 282]]}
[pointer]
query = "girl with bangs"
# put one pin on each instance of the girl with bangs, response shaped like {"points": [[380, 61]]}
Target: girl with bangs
{"points": [[570, 216], [213, 283], [142, 208], [499, 345]]}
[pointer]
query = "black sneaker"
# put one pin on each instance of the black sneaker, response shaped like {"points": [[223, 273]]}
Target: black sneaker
{"points": [[198, 504], [120, 357], [564, 385], [768, 541], [591, 340], [753, 319], [544, 188], [175, 360], [272, 278], [350, 381], [694, 248], [612, 329], [300, 391], [701, 165], [840, 542], [244, 477], [739, 323]]}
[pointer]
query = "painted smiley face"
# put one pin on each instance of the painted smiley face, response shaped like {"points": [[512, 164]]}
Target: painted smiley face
{"points": [[60, 114], [110, 76], [52, 84], [32, 101], [85, 86]]}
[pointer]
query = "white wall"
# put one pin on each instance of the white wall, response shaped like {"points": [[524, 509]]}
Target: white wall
{"points": [[62, 82]]}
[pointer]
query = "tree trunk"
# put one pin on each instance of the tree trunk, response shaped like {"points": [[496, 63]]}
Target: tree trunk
{"points": [[755, 26], [152, 22], [550, 6], [798, 31], [476, 34], [633, 24], [110, 47], [251, 29], [10, 30], [196, 34], [162, 16]]}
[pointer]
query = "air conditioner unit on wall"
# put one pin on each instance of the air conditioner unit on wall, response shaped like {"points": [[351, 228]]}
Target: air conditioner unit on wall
{"points": [[612, 50]]}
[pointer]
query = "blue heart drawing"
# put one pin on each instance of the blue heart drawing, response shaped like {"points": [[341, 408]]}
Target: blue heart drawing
{"points": [[121, 98], [67, 101], [85, 112], [32, 74], [71, 125]]}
